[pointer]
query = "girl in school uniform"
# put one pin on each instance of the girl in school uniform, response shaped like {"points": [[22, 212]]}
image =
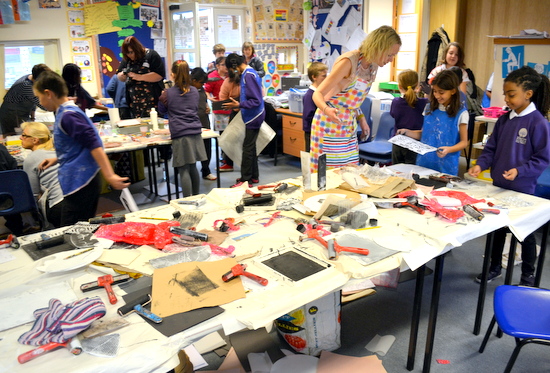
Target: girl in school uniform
{"points": [[251, 105], [445, 125], [518, 152], [181, 102], [407, 112]]}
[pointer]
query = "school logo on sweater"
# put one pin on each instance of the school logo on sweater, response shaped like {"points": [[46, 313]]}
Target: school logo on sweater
{"points": [[522, 136]]}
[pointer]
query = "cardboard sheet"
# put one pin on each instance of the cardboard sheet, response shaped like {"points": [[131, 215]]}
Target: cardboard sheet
{"points": [[331, 362], [188, 286]]}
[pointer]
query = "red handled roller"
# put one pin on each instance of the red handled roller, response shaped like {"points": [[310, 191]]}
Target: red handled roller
{"points": [[240, 270], [29, 355]]}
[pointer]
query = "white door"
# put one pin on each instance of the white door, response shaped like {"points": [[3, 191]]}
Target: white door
{"points": [[185, 34]]}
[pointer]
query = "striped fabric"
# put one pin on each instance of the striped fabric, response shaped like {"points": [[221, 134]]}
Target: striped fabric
{"points": [[59, 323], [341, 151], [21, 91]]}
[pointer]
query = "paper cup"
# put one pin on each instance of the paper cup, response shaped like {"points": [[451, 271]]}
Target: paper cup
{"points": [[114, 116]]}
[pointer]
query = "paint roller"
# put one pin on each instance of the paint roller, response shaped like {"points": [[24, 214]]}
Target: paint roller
{"points": [[138, 306]]}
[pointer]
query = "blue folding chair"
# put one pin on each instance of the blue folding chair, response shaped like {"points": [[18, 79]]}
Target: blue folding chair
{"points": [[523, 313], [379, 150], [16, 195]]}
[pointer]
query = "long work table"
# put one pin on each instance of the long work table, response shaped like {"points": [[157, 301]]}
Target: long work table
{"points": [[402, 239]]}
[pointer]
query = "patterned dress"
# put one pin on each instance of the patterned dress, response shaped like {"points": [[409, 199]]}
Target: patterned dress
{"points": [[339, 141]]}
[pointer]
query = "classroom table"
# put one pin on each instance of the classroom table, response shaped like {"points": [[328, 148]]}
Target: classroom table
{"points": [[426, 236]]}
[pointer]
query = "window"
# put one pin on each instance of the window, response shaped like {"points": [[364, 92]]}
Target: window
{"points": [[19, 57]]}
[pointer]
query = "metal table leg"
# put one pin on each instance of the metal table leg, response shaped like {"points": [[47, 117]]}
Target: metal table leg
{"points": [[436, 290], [417, 305], [483, 285]]}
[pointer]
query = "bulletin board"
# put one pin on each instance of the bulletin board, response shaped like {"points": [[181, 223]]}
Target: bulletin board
{"points": [[333, 28], [278, 21], [143, 20]]}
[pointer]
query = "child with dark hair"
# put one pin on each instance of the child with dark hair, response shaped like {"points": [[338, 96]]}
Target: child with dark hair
{"points": [[198, 79], [72, 75], [518, 152], [181, 102], [251, 105], [317, 72], [445, 125], [407, 111], [79, 152]]}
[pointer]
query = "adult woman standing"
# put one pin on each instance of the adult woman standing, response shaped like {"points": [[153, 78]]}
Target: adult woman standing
{"points": [[251, 59], [37, 137], [340, 95], [143, 71], [454, 56]]}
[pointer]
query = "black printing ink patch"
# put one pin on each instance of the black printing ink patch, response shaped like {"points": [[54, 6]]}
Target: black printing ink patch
{"points": [[195, 283]]}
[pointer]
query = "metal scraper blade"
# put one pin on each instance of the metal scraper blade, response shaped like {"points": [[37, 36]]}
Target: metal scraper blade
{"points": [[102, 346]]}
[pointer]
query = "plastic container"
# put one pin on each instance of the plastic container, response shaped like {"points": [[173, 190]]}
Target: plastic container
{"points": [[153, 115], [295, 100], [493, 112]]}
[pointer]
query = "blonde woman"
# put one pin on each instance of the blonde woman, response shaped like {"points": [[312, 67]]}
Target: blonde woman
{"points": [[339, 97], [37, 137]]}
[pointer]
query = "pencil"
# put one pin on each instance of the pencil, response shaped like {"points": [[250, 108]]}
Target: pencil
{"points": [[80, 253], [150, 217], [364, 229]]}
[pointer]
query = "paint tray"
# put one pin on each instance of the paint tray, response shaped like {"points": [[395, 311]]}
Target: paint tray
{"points": [[293, 265]]}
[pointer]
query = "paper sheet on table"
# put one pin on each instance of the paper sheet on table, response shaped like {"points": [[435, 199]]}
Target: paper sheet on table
{"points": [[330, 362], [6, 256], [232, 138], [412, 144], [121, 257], [188, 286], [141, 263], [380, 344]]}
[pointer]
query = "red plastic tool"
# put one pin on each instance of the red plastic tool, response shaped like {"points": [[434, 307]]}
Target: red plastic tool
{"points": [[334, 249], [106, 281], [240, 270], [29, 355]]}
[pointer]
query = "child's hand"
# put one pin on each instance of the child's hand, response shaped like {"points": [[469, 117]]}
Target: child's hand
{"points": [[401, 131], [234, 104], [207, 111], [510, 174], [442, 151], [474, 171], [118, 182]]}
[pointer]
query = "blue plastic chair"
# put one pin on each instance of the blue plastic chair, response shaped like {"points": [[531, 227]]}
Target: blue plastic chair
{"points": [[16, 195], [523, 313], [379, 150], [366, 108]]}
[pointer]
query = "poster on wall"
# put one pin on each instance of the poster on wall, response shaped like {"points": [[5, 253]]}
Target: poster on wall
{"points": [[99, 18], [75, 16], [77, 31], [281, 22], [80, 46], [82, 60], [512, 59], [49, 4]]}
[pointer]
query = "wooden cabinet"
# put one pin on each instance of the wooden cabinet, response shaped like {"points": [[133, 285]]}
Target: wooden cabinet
{"points": [[293, 135]]}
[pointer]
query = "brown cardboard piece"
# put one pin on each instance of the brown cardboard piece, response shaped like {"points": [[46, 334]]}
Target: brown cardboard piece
{"points": [[389, 189], [188, 286]]}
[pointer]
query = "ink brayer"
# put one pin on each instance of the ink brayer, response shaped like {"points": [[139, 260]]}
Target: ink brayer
{"points": [[190, 233], [138, 306]]}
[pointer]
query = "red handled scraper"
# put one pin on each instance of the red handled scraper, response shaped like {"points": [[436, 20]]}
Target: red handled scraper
{"points": [[240, 270]]}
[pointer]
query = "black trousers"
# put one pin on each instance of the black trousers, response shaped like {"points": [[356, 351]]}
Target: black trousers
{"points": [[528, 251], [249, 163], [81, 205]]}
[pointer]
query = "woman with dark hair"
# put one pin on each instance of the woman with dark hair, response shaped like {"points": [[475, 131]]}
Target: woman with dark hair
{"points": [[251, 105], [143, 71], [251, 59], [72, 75]]}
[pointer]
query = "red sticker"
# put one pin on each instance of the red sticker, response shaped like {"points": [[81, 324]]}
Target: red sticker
{"points": [[441, 361]]}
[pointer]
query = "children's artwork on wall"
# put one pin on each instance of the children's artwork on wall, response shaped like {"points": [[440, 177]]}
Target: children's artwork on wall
{"points": [[74, 3], [48, 4], [278, 22], [147, 13], [512, 59]]}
